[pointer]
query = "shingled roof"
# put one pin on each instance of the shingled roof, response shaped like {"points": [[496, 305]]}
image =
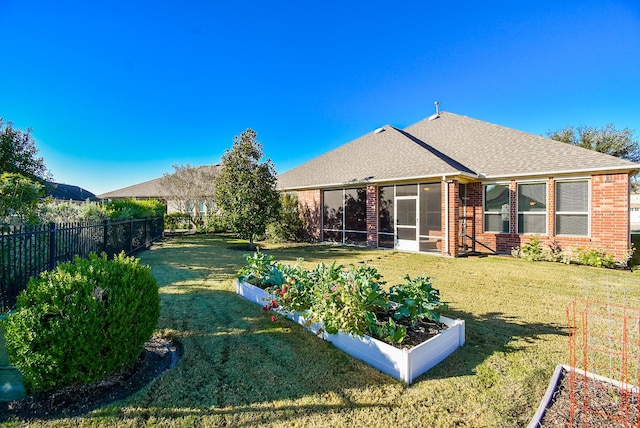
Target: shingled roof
{"points": [[148, 189], [67, 192], [447, 145]]}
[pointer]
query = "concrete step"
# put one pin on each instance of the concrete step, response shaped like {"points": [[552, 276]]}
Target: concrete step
{"points": [[11, 386]]}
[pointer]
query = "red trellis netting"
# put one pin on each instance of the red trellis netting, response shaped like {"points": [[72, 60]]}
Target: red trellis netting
{"points": [[604, 356]]}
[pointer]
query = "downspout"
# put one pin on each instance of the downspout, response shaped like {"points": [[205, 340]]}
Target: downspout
{"points": [[446, 214]]}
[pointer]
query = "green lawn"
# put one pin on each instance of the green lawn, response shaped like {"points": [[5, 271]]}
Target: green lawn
{"points": [[240, 369]]}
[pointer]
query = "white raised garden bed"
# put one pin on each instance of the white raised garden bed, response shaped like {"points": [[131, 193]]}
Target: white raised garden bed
{"points": [[563, 370], [402, 364]]}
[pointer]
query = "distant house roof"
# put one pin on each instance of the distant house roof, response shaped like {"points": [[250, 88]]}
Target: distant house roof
{"points": [[68, 192], [148, 189], [446, 145]]}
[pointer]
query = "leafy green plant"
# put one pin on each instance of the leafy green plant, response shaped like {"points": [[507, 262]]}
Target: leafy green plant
{"points": [[350, 300], [288, 226], [416, 299], [67, 212], [177, 220], [295, 292], [82, 321], [262, 270], [532, 250], [594, 257], [212, 223], [389, 331], [124, 209]]}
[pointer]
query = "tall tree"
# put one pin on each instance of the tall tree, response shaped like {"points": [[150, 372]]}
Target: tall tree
{"points": [[615, 142], [189, 186], [246, 188], [18, 153], [19, 196], [610, 140]]}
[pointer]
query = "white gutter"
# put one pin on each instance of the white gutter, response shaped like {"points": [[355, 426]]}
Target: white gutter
{"points": [[556, 173], [380, 181]]}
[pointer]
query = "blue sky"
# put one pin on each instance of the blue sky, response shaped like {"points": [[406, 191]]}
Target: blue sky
{"points": [[117, 92]]}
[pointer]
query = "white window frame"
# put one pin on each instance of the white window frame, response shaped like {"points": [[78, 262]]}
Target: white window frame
{"points": [[588, 213], [528, 213], [484, 207]]}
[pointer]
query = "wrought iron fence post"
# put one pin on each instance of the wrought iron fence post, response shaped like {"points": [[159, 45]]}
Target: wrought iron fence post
{"points": [[130, 236], [146, 233], [105, 236], [52, 246]]}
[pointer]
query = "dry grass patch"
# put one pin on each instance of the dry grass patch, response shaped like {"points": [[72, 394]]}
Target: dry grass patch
{"points": [[240, 369]]}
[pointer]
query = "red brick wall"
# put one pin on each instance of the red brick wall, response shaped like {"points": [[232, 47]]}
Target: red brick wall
{"points": [[609, 218], [310, 203], [610, 212]]}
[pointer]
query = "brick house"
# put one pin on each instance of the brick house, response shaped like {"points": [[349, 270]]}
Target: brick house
{"points": [[454, 185]]}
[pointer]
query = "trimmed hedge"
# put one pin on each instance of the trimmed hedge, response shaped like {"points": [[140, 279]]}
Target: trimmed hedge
{"points": [[83, 321]]}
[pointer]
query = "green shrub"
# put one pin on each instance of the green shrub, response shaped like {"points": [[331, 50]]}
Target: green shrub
{"points": [[124, 209], [532, 250], [212, 223], [288, 227], [68, 212], [82, 321], [176, 220], [594, 257]]}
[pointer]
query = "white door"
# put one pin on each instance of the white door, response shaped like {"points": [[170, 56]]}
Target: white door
{"points": [[406, 208]]}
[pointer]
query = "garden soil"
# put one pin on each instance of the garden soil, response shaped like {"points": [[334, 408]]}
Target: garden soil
{"points": [[158, 355], [605, 407]]}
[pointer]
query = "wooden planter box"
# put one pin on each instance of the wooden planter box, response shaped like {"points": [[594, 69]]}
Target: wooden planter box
{"points": [[401, 364]]}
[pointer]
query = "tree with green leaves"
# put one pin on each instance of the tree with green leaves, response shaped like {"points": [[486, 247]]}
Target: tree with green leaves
{"points": [[19, 198], [246, 188], [288, 226], [610, 140], [18, 153], [188, 187]]}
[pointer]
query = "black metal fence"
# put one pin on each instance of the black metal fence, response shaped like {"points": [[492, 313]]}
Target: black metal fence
{"points": [[25, 251]]}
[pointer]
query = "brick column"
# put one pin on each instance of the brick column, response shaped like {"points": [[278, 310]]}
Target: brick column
{"points": [[551, 207], [452, 187], [513, 207], [310, 206], [372, 216], [610, 213]]}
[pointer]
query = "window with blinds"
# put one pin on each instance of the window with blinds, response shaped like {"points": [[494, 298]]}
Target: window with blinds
{"points": [[496, 208], [532, 208], [572, 208]]}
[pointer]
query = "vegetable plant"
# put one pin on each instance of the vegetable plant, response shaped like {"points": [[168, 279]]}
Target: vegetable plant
{"points": [[416, 299], [351, 300]]}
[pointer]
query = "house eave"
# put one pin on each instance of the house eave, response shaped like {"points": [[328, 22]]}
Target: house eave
{"points": [[555, 173], [370, 180]]}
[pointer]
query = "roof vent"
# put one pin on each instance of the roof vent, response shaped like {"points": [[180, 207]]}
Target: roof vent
{"points": [[379, 130], [437, 115]]}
